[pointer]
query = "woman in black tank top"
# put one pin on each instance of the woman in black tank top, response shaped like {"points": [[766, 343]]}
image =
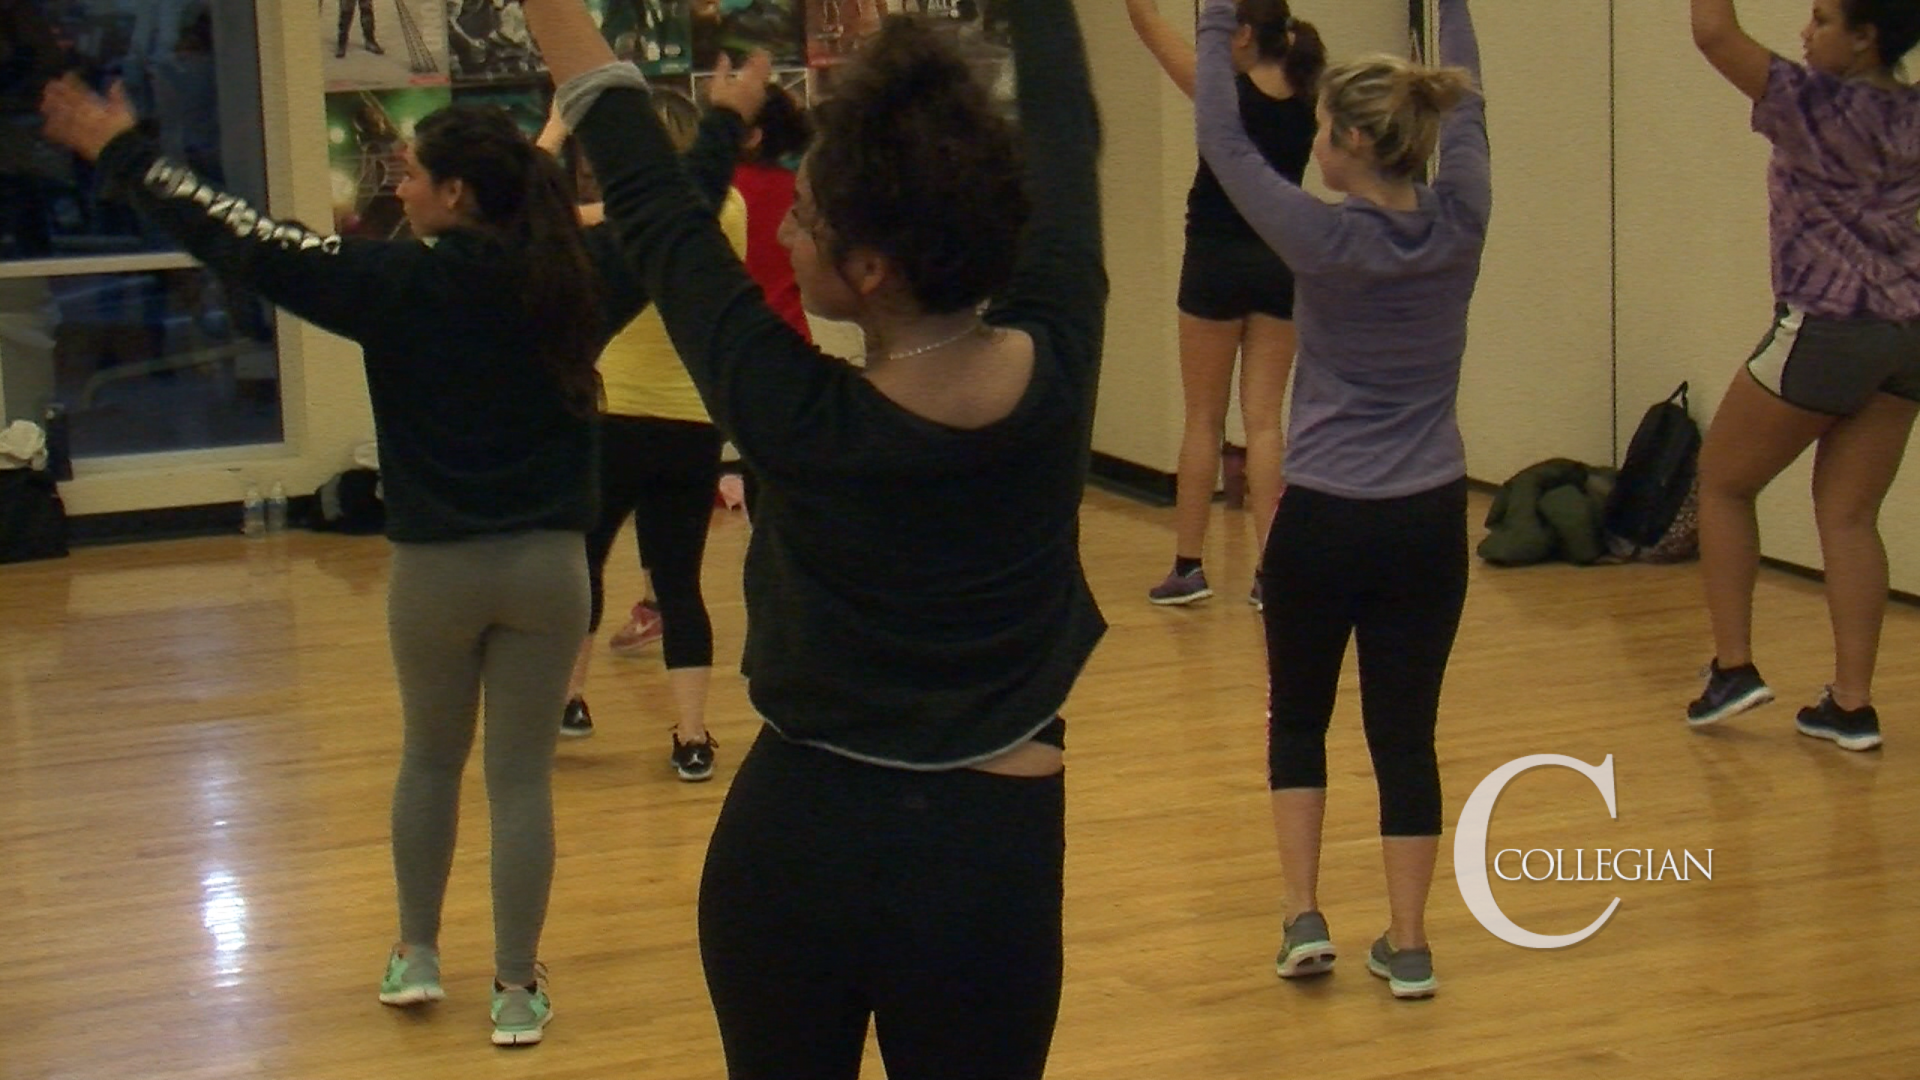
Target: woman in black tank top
{"points": [[1236, 296]]}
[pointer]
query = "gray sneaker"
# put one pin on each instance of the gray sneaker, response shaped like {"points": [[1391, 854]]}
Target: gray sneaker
{"points": [[1307, 948], [1409, 972], [521, 1013], [412, 978]]}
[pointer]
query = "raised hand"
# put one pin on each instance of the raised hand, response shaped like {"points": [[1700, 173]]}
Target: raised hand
{"points": [[553, 135], [81, 120]]}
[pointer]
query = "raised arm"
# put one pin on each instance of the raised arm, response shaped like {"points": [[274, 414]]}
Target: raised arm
{"points": [[759, 379], [711, 158], [1061, 274], [1729, 48], [1465, 173], [345, 286], [1298, 227], [1164, 42]]}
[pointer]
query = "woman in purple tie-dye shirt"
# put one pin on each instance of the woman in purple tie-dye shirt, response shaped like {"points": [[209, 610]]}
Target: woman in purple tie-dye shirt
{"points": [[1840, 367]]}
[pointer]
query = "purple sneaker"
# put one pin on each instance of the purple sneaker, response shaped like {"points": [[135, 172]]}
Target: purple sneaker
{"points": [[1181, 588]]}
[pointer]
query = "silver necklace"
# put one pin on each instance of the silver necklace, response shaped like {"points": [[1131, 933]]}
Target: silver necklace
{"points": [[938, 345]]}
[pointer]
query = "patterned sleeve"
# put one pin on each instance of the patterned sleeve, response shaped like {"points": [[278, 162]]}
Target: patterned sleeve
{"points": [[1795, 95]]}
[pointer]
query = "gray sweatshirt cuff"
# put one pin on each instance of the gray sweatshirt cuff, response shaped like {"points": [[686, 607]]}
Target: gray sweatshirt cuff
{"points": [[581, 91]]}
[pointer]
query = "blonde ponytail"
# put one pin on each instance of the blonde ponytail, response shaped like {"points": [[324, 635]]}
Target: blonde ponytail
{"points": [[1440, 89], [1395, 105]]}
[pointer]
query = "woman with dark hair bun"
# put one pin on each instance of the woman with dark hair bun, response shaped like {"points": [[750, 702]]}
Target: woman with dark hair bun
{"points": [[763, 174], [479, 351], [890, 852], [1236, 295]]}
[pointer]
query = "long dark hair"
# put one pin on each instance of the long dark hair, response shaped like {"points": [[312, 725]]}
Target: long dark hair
{"points": [[913, 160], [1294, 42], [784, 128], [521, 194], [1896, 25]]}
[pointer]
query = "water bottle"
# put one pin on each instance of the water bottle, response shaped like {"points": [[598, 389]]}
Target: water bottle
{"points": [[277, 508], [59, 441], [253, 514]]}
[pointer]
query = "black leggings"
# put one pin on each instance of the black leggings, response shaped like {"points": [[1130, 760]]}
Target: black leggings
{"points": [[1392, 573], [664, 473], [836, 891]]}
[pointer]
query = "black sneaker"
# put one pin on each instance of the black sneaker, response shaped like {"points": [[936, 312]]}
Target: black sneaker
{"points": [[576, 722], [1852, 729], [1728, 693], [693, 761]]}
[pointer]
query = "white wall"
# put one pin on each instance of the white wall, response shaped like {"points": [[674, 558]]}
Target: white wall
{"points": [[1537, 382]]}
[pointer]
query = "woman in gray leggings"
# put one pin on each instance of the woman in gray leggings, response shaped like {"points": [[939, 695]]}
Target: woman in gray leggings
{"points": [[483, 390]]}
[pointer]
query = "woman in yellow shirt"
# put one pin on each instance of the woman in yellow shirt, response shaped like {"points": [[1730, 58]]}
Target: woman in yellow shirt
{"points": [[660, 462]]}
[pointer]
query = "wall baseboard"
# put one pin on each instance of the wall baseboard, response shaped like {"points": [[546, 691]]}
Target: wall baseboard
{"points": [[170, 523], [1150, 486], [1156, 489], [222, 519], [1810, 574]]}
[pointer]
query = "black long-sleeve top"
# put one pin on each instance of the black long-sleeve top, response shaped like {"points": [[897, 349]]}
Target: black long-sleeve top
{"points": [[914, 591], [475, 434]]}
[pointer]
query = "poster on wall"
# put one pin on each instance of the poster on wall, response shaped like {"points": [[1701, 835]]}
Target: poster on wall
{"points": [[489, 42], [366, 131], [741, 26], [655, 34], [527, 103], [383, 44], [836, 27], [979, 32]]}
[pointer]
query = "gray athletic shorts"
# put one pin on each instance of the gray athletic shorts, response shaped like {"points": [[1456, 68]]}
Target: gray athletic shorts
{"points": [[1835, 366]]}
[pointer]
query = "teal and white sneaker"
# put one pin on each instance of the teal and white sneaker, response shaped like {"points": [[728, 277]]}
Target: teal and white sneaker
{"points": [[413, 977], [520, 1013], [1306, 949], [1409, 972]]}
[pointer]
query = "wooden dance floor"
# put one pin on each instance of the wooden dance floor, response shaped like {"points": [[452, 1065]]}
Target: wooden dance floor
{"points": [[198, 740]]}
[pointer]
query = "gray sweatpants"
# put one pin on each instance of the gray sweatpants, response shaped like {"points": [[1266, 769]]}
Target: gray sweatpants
{"points": [[504, 613]]}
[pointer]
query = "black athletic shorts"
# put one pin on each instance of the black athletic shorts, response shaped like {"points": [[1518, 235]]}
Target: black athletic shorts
{"points": [[1225, 280], [1835, 366]]}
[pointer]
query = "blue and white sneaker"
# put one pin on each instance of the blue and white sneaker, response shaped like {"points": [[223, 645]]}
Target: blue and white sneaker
{"points": [[1850, 729], [1728, 692]]}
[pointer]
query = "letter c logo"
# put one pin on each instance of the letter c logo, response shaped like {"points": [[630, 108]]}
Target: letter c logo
{"points": [[1470, 850]]}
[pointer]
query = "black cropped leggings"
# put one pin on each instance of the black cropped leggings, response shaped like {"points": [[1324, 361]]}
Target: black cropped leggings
{"points": [[1392, 574]]}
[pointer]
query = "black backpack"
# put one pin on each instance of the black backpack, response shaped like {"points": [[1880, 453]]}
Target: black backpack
{"points": [[349, 503], [1656, 476], [33, 520]]}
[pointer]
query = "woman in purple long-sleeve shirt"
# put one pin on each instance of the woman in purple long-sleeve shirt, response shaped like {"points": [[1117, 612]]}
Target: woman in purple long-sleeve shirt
{"points": [[1370, 540]]}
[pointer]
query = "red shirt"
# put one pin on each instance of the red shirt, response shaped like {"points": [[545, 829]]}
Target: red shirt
{"points": [[768, 190]]}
